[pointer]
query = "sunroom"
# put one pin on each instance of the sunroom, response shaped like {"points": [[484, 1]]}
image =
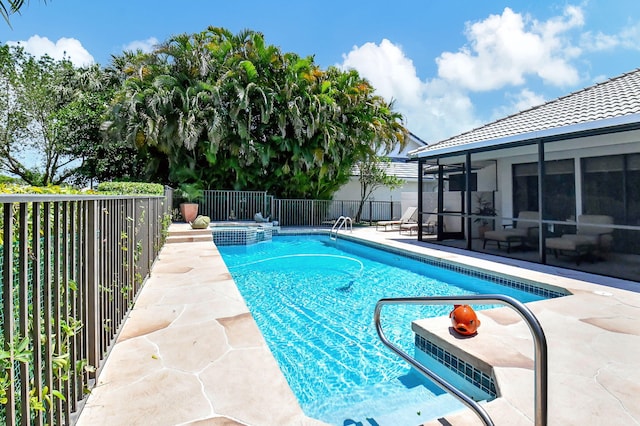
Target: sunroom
{"points": [[558, 184]]}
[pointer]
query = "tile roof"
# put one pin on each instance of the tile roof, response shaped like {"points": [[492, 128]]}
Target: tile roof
{"points": [[404, 170], [401, 169], [616, 97], [398, 165]]}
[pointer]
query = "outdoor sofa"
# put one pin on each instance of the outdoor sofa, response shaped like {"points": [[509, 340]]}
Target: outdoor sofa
{"points": [[593, 239], [516, 234]]}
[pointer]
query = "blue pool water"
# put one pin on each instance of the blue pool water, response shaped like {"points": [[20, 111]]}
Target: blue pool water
{"points": [[313, 300]]}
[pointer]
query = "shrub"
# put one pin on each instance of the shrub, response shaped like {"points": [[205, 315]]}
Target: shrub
{"points": [[131, 188], [12, 188]]}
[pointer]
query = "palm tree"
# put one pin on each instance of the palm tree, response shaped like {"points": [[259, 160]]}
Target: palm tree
{"points": [[9, 7], [230, 111], [12, 6]]}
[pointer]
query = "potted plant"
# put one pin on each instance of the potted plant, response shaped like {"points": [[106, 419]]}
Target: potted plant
{"points": [[484, 208], [191, 193]]}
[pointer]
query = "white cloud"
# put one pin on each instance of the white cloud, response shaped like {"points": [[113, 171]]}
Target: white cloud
{"points": [[145, 46], [520, 101], [504, 49], [527, 99], [628, 38], [433, 110], [599, 79], [599, 41], [64, 48], [502, 52], [388, 69]]}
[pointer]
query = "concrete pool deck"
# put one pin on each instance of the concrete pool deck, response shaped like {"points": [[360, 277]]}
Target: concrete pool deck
{"points": [[191, 354]]}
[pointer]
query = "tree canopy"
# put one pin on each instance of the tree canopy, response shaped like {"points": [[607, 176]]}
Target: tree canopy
{"points": [[373, 175], [32, 91], [50, 117], [232, 112], [212, 110]]}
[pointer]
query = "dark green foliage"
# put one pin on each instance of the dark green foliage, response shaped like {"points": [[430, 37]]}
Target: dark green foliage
{"points": [[50, 114], [9, 179], [215, 109], [131, 188], [231, 112]]}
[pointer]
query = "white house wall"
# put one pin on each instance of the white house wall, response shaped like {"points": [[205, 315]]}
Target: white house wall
{"points": [[595, 146], [351, 191], [487, 178]]}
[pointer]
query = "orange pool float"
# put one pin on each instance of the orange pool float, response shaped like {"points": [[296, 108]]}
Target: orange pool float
{"points": [[464, 320]]}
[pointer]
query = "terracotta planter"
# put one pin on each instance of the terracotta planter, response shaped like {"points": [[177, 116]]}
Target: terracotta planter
{"points": [[189, 211]]}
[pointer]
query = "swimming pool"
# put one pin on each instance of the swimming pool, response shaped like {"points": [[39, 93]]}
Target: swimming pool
{"points": [[313, 300]]}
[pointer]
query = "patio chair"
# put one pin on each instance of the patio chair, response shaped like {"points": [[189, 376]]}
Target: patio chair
{"points": [[589, 241], [409, 216], [429, 225], [518, 234]]}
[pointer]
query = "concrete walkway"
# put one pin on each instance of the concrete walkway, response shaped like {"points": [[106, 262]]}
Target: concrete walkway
{"points": [[190, 352]]}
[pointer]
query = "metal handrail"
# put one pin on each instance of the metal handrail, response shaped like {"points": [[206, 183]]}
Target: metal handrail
{"points": [[540, 347], [342, 221]]}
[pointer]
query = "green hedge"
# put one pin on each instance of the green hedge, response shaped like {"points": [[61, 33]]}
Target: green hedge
{"points": [[110, 188], [12, 188], [130, 188]]}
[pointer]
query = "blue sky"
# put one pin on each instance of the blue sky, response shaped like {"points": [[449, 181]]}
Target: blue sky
{"points": [[449, 66]]}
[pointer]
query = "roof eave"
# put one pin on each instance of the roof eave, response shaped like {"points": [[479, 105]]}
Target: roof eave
{"points": [[613, 124]]}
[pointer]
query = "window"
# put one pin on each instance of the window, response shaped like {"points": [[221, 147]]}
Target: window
{"points": [[457, 182], [610, 186], [525, 187], [632, 189], [559, 189]]}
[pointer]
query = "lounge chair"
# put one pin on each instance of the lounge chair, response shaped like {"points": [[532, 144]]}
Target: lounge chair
{"points": [[589, 241], [429, 225], [410, 228], [518, 234], [409, 216]]}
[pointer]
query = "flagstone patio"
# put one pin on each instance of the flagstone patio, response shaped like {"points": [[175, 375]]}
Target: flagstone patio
{"points": [[190, 352]]}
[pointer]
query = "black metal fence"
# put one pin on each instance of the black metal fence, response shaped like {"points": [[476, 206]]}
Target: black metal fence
{"points": [[222, 205], [235, 205], [71, 267]]}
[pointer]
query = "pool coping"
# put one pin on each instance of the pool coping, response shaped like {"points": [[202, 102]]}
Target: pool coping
{"points": [[190, 352], [181, 357], [514, 371], [593, 319]]}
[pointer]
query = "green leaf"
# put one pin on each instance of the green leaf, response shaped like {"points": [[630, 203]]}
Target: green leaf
{"points": [[250, 69], [58, 395]]}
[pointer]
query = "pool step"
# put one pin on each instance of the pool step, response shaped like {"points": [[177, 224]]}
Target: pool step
{"points": [[182, 233], [394, 407]]}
